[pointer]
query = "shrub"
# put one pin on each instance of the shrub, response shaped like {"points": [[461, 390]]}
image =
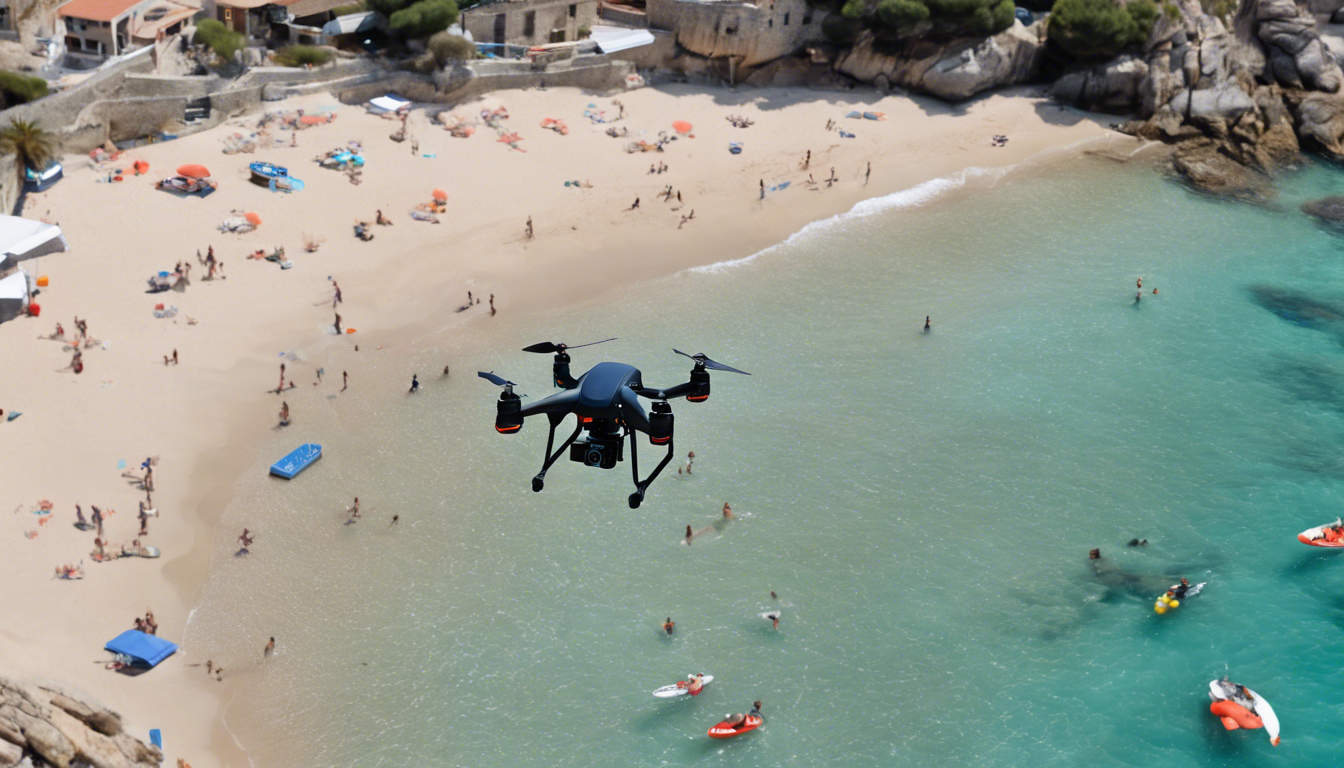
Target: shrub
{"points": [[585, 32], [223, 41], [416, 19], [902, 14], [302, 55], [854, 9], [20, 89], [446, 47], [346, 10], [1100, 28], [839, 30]]}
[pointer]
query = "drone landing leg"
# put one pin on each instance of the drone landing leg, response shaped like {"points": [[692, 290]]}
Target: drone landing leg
{"points": [[641, 486], [540, 480]]}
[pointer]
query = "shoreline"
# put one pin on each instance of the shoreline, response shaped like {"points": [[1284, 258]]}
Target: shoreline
{"points": [[207, 452]]}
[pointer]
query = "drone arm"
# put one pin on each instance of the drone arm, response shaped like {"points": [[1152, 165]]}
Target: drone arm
{"points": [[632, 413], [680, 390], [561, 402]]}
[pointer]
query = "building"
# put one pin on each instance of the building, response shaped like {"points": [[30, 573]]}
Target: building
{"points": [[529, 22], [98, 29]]}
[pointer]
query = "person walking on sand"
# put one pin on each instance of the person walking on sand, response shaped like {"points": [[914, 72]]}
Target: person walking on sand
{"points": [[868, 173], [284, 414], [270, 648], [395, 519], [174, 356], [338, 323], [669, 625], [336, 299], [345, 381], [492, 305], [445, 370], [529, 227], [415, 383], [762, 189], [245, 539], [727, 511], [97, 519], [832, 178], [634, 205], [281, 386]]}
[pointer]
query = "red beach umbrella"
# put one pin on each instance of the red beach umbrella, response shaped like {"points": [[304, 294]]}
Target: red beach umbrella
{"points": [[194, 171], [439, 194], [312, 119], [681, 126], [252, 219]]}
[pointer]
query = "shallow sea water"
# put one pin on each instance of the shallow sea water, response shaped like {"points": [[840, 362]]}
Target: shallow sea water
{"points": [[922, 503]]}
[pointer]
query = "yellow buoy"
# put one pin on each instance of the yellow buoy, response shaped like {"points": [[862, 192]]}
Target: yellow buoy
{"points": [[1174, 603]]}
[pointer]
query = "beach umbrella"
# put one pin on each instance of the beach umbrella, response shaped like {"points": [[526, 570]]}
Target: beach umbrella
{"points": [[313, 119], [681, 126], [194, 171], [439, 194], [252, 219], [141, 167]]}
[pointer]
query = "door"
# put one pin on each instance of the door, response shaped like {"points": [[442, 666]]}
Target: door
{"points": [[500, 21]]}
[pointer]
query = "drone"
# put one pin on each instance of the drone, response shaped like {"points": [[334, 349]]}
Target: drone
{"points": [[605, 400]]}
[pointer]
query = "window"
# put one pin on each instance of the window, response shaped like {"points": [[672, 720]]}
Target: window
{"points": [[786, 18], [529, 24], [807, 18], [573, 10], [770, 22]]}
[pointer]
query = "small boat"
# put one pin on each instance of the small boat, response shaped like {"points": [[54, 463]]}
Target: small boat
{"points": [[1239, 707], [297, 460], [263, 173], [726, 730], [1328, 535], [678, 689]]}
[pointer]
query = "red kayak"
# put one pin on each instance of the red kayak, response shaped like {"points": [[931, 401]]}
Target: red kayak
{"points": [[727, 730]]}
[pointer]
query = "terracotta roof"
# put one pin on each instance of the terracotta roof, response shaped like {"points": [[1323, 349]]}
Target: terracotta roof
{"points": [[309, 7], [97, 10]]}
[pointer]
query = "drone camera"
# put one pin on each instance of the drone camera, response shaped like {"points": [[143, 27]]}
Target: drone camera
{"points": [[660, 424], [699, 385], [507, 420], [598, 452]]}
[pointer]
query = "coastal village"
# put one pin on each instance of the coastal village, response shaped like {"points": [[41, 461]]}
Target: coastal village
{"points": [[196, 184]]}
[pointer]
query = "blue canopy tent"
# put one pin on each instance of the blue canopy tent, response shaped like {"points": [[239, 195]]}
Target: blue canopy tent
{"points": [[144, 650]]}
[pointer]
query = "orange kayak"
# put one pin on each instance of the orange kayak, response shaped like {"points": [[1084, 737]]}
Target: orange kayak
{"points": [[726, 730]]}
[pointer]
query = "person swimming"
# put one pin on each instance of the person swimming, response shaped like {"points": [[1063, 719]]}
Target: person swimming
{"points": [[689, 535], [696, 684], [669, 625], [1178, 591]]}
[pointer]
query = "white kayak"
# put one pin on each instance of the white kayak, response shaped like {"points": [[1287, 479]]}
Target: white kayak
{"points": [[1238, 711], [672, 691]]}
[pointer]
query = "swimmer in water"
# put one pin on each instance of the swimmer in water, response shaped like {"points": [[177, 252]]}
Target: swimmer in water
{"points": [[926, 324], [697, 684], [1140, 282], [1138, 297], [727, 511], [689, 535], [773, 616], [669, 625]]}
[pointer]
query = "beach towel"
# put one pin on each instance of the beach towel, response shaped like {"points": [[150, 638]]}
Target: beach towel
{"points": [[855, 115], [845, 135]]}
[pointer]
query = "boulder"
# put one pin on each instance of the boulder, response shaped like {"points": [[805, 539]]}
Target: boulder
{"points": [[1204, 167], [1318, 67], [1118, 85], [1226, 101], [1337, 17], [1320, 121], [65, 727], [10, 754], [955, 70], [1329, 209]]}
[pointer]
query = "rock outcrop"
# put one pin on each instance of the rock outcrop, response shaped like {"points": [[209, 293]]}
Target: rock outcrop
{"points": [[955, 70], [1328, 209], [61, 727]]}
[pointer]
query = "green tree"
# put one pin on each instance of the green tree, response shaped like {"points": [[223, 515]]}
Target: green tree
{"points": [[446, 47], [1100, 28], [424, 18], [223, 41], [31, 145], [902, 15]]}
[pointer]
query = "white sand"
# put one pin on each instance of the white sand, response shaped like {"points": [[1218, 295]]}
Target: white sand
{"points": [[128, 405]]}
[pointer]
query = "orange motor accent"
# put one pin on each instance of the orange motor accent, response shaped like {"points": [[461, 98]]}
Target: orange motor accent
{"points": [[508, 430], [697, 398]]}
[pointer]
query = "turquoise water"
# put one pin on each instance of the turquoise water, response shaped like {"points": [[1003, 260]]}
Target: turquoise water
{"points": [[922, 504]]}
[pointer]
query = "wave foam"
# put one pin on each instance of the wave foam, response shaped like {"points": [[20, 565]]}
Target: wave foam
{"points": [[920, 194]]}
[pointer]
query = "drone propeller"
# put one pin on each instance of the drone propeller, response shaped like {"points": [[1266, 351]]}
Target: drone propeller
{"points": [[547, 347], [701, 359], [496, 380]]}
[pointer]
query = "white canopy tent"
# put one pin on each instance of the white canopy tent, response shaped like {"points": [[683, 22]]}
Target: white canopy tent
{"points": [[13, 295], [613, 39], [388, 103], [26, 239]]}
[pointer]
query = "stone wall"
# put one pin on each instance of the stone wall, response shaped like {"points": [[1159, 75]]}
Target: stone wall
{"points": [[595, 73], [749, 34], [548, 16]]}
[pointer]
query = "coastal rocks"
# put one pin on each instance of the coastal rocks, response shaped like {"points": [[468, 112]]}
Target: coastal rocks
{"points": [[1328, 209], [64, 727], [1202, 165], [953, 71], [1115, 86], [1320, 121], [1298, 58]]}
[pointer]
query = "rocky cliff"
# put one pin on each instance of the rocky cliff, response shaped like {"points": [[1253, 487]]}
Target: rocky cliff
{"points": [[954, 70], [1240, 96], [53, 725]]}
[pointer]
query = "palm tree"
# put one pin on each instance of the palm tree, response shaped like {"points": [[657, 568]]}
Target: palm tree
{"points": [[31, 145]]}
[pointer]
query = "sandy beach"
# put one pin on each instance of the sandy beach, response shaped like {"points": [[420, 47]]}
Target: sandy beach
{"points": [[80, 435]]}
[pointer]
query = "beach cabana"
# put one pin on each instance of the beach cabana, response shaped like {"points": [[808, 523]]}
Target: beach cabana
{"points": [[144, 650], [613, 39], [385, 104], [22, 238], [13, 295]]}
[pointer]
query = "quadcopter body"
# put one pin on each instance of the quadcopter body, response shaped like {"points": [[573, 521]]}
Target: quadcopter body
{"points": [[606, 403]]}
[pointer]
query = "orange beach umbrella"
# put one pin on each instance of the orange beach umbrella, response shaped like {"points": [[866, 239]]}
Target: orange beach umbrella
{"points": [[252, 219], [681, 126], [193, 171], [439, 194]]}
